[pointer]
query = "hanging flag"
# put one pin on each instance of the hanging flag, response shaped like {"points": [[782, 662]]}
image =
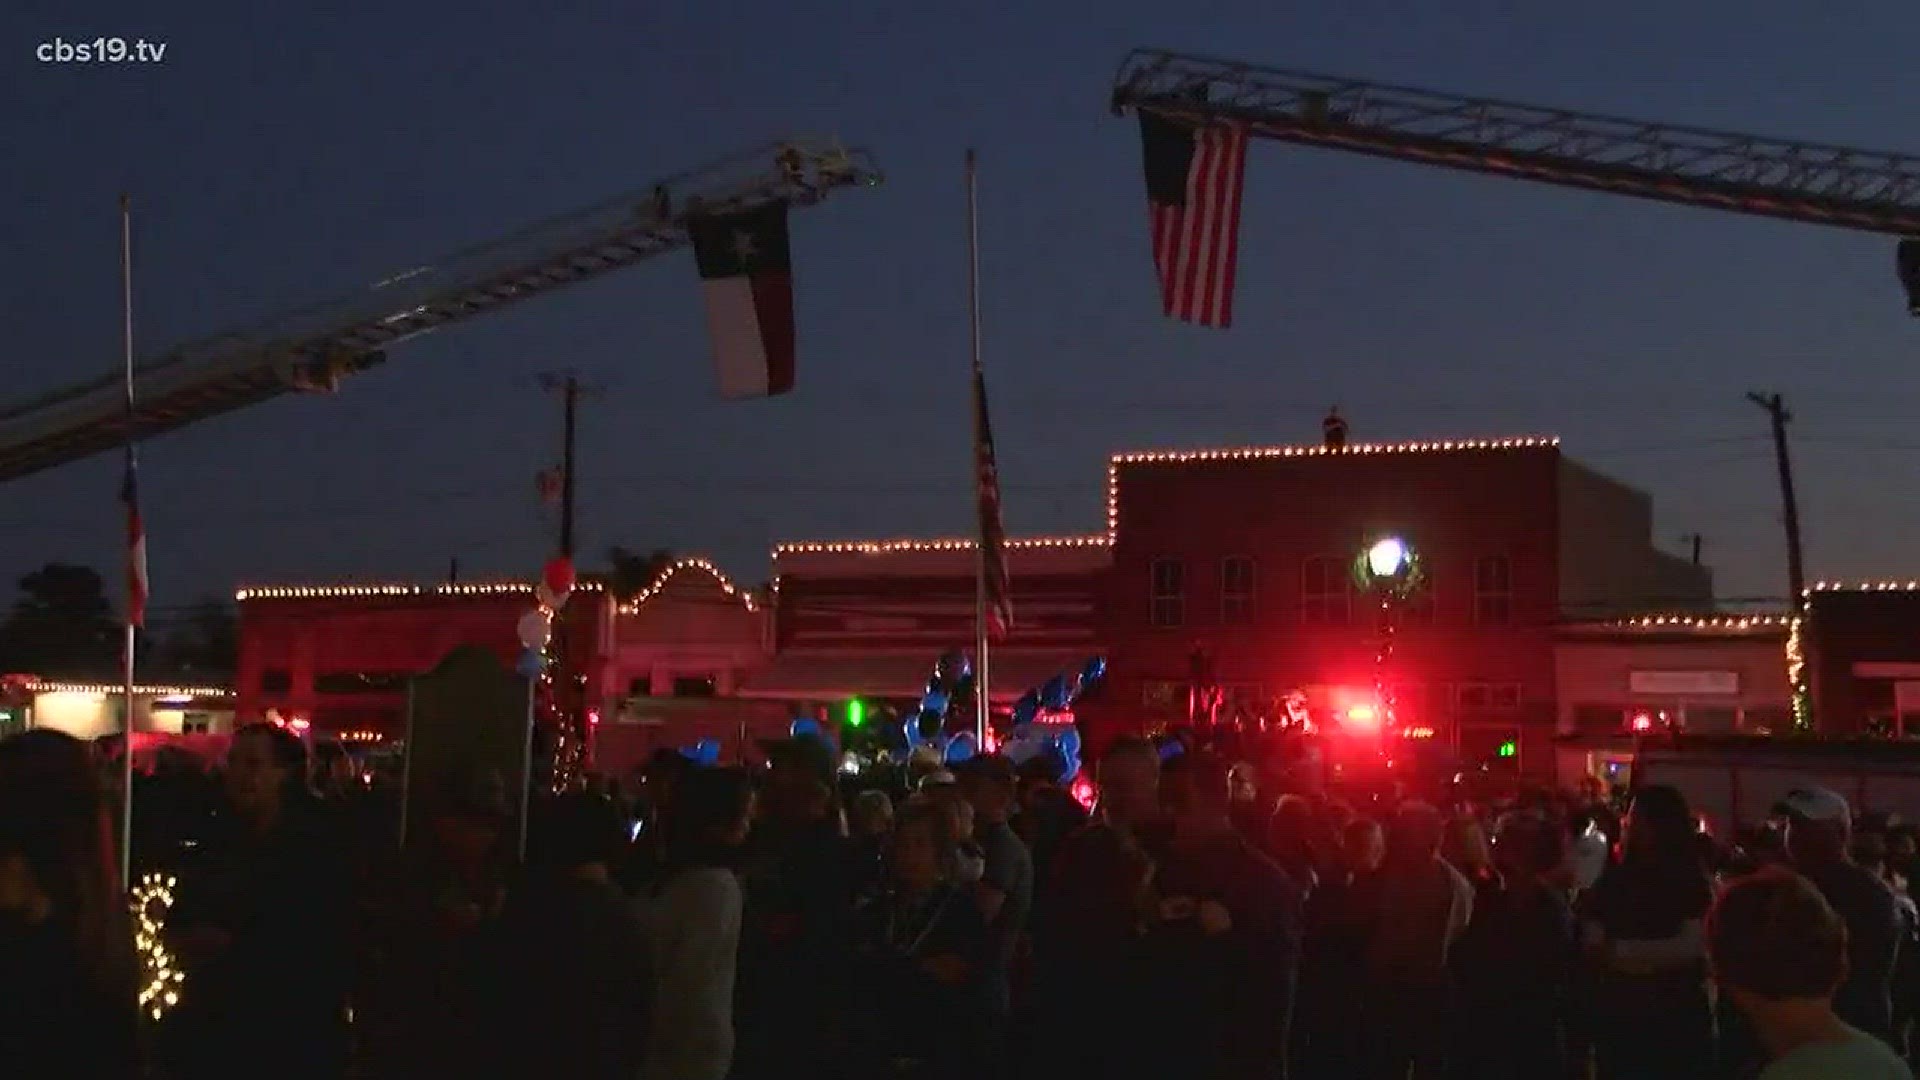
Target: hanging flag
{"points": [[993, 534], [550, 483], [1194, 180], [746, 271], [136, 548]]}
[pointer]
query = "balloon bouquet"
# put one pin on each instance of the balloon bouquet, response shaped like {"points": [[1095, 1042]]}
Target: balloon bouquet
{"points": [[535, 632], [1030, 738], [950, 684]]}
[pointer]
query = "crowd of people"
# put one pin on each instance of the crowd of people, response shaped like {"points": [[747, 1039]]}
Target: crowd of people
{"points": [[701, 923]]}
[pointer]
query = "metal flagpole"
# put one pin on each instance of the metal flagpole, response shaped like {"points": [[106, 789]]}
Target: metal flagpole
{"points": [[981, 693], [126, 657]]}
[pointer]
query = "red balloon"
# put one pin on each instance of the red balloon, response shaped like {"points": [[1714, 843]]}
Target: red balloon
{"points": [[558, 575]]}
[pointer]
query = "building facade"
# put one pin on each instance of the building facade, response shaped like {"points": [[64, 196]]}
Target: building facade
{"points": [[871, 618], [1862, 649], [1246, 557], [339, 657]]}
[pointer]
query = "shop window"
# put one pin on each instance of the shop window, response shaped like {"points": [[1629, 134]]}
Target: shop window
{"points": [[1168, 599], [1325, 593], [1599, 719], [1493, 591], [1487, 697], [1236, 591]]}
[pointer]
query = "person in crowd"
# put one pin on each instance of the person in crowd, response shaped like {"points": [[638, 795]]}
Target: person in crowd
{"points": [[1465, 848], [957, 840], [1048, 812], [922, 948], [1250, 813], [1327, 1041], [1228, 936], [869, 824], [1518, 962], [1291, 842], [565, 969], [692, 921], [1416, 907], [1005, 890], [1818, 824], [66, 946], [652, 801], [1643, 930], [795, 930], [275, 900], [1779, 951]]}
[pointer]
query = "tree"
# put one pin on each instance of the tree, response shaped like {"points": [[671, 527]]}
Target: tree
{"points": [[62, 622], [631, 572]]}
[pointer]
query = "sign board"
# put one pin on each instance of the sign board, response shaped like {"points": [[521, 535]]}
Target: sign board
{"points": [[1685, 683], [469, 742], [1906, 698]]}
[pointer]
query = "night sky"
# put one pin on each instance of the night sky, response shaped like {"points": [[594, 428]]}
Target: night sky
{"points": [[279, 157]]}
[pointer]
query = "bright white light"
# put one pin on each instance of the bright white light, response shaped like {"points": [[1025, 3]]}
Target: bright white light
{"points": [[1387, 557]]}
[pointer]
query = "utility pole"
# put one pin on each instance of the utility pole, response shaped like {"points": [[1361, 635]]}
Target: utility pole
{"points": [[568, 699], [1776, 409]]}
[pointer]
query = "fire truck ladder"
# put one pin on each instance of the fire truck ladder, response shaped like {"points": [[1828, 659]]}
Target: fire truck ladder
{"points": [[314, 348], [1868, 190]]}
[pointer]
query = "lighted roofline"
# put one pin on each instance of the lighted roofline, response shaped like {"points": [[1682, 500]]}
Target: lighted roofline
{"points": [[1861, 586], [906, 546], [1688, 622], [632, 607], [1269, 453], [117, 688], [320, 592]]}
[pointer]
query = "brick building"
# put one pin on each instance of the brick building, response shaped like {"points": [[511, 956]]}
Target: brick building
{"points": [[1247, 554], [1862, 646]]}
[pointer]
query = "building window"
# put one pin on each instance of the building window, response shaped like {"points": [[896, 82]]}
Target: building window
{"points": [[1599, 719], [1169, 596], [275, 682], [696, 686], [1325, 595], [1479, 697], [1777, 719], [1236, 591], [1493, 591], [640, 687]]}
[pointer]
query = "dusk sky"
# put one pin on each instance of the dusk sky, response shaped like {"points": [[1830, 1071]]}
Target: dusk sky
{"points": [[278, 157]]}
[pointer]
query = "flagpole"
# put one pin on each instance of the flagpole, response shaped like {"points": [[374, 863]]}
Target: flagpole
{"points": [[983, 701], [126, 654]]}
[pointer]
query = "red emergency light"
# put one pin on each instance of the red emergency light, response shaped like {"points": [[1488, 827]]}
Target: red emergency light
{"points": [[1642, 723], [1364, 717]]}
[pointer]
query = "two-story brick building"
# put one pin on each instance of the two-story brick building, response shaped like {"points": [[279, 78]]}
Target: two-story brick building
{"points": [[1247, 554], [1861, 644]]}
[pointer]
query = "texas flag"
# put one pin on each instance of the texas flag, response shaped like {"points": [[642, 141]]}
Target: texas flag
{"points": [[746, 272], [136, 547]]}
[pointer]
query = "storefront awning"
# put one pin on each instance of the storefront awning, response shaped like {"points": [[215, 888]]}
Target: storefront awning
{"points": [[830, 677]]}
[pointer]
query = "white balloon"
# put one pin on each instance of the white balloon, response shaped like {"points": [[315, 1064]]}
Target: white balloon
{"points": [[553, 601], [535, 629]]}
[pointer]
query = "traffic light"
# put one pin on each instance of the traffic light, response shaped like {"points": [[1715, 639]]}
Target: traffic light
{"points": [[856, 713], [1509, 749]]}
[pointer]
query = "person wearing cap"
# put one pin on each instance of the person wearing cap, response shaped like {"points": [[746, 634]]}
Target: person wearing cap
{"points": [[1778, 952], [1819, 826]]}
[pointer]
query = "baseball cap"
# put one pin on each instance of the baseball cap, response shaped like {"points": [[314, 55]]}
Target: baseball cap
{"points": [[1817, 804]]}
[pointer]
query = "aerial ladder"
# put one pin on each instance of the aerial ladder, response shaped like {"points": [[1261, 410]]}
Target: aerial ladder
{"points": [[313, 349], [1865, 190]]}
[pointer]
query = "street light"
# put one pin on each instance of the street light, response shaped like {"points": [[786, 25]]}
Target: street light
{"points": [[1389, 568], [1387, 557]]}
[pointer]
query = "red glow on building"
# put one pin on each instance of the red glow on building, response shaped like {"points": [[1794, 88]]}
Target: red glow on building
{"points": [[1363, 718], [1642, 723]]}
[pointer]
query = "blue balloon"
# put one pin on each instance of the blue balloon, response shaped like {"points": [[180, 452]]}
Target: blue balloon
{"points": [[961, 748], [1025, 708], [707, 752], [1171, 749], [1070, 768], [1069, 743], [529, 664], [910, 729], [935, 701], [1057, 694], [1022, 748], [805, 725], [1095, 670]]}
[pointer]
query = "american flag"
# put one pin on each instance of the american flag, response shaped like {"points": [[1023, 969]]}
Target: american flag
{"points": [[1194, 181], [993, 534], [136, 548]]}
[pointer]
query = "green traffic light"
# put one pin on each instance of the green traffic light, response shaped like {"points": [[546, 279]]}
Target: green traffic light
{"points": [[1509, 749], [856, 713]]}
